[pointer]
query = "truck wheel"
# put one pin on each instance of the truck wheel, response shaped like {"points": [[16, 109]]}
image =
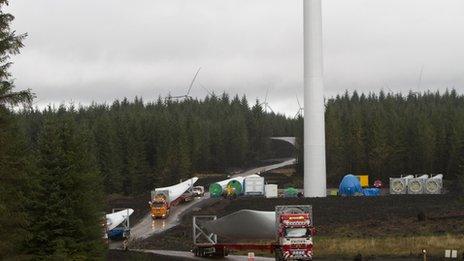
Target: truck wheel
{"points": [[222, 252], [279, 255], [198, 252]]}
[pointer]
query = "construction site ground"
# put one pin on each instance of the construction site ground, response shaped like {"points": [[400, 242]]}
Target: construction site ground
{"points": [[350, 218], [346, 225]]}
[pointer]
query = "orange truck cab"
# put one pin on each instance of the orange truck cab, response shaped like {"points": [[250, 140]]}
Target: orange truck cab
{"points": [[159, 205]]}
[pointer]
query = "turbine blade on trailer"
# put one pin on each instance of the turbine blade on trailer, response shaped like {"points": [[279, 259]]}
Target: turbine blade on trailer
{"points": [[244, 224]]}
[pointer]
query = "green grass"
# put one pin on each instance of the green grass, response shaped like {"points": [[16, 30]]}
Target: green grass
{"points": [[386, 246]]}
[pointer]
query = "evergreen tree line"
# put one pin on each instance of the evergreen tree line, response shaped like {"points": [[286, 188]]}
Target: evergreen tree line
{"points": [[51, 193], [57, 163], [138, 146], [388, 135]]}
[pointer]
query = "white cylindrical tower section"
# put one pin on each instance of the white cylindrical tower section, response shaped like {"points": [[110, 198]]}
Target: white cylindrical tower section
{"points": [[314, 126]]}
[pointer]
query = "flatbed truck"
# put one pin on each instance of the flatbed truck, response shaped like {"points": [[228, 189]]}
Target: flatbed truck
{"points": [[294, 236]]}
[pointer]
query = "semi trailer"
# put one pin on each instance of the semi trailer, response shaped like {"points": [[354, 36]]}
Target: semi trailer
{"points": [[162, 199], [117, 226], [292, 227]]}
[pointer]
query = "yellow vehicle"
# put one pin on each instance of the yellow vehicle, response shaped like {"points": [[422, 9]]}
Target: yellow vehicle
{"points": [[159, 206]]}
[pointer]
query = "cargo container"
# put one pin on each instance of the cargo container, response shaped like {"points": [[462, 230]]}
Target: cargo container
{"points": [[364, 180], [271, 190], [417, 185], [253, 186], [434, 185], [400, 185]]}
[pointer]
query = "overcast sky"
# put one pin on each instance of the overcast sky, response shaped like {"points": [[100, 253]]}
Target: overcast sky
{"points": [[100, 50]]}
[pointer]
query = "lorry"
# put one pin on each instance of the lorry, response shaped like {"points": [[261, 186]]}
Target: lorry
{"points": [[162, 199], [198, 191], [187, 196], [293, 240], [116, 224], [159, 204]]}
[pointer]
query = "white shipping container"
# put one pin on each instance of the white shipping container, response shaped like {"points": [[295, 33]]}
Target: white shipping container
{"points": [[270, 190], [253, 185]]}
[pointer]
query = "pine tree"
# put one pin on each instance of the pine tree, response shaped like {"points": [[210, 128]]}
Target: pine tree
{"points": [[107, 157], [11, 44], [14, 162], [67, 214], [16, 185]]}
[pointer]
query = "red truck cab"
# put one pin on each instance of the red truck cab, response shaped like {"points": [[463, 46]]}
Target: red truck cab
{"points": [[295, 237], [294, 233]]}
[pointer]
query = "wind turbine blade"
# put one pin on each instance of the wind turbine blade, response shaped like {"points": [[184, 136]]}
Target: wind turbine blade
{"points": [[267, 93], [420, 78], [298, 101], [267, 105], [206, 89], [193, 81]]}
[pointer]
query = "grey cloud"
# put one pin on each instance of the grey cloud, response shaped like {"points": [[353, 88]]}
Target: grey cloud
{"points": [[84, 50]]}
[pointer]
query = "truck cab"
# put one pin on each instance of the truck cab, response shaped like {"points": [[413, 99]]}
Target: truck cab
{"points": [[159, 206], [159, 209], [198, 191], [295, 234]]}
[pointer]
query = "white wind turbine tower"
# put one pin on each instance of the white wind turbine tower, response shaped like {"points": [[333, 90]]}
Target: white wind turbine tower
{"points": [[314, 128]]}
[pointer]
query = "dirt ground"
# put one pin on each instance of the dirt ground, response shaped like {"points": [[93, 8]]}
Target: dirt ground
{"points": [[120, 255], [138, 203], [354, 218], [350, 217]]}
